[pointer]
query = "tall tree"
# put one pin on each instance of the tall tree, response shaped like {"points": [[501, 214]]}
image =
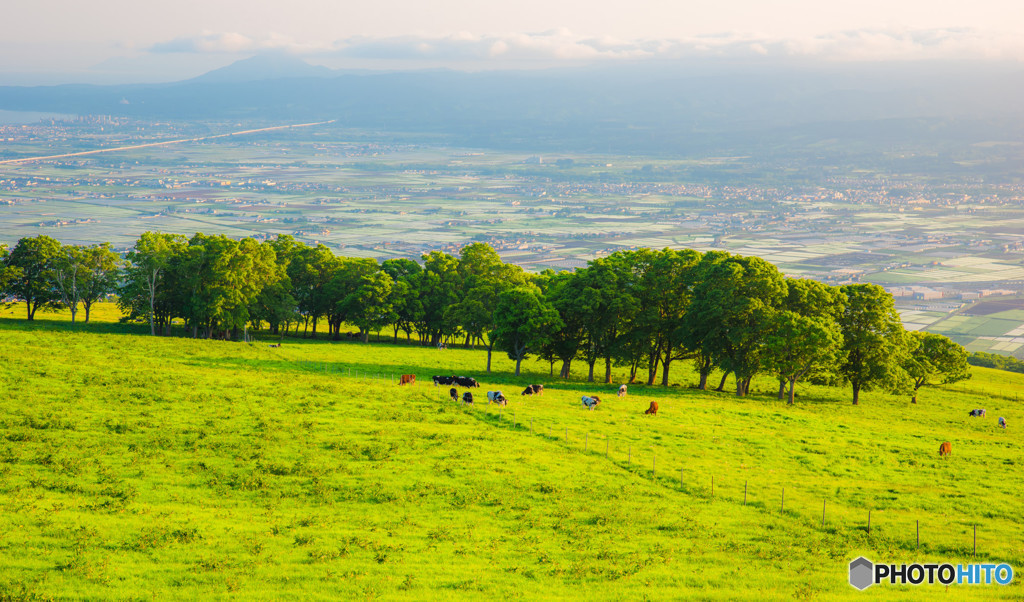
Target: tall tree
{"points": [[369, 306], [150, 259], [822, 305], [567, 294], [525, 321], [67, 278], [733, 306], [31, 275], [874, 340], [800, 346], [100, 272], [408, 310], [439, 286], [935, 360]]}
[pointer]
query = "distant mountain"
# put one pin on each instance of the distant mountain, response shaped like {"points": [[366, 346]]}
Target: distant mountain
{"points": [[275, 65], [729, 109]]}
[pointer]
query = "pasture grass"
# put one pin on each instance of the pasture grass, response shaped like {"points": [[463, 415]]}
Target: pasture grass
{"points": [[147, 467]]}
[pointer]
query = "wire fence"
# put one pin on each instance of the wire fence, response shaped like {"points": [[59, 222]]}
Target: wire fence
{"points": [[642, 460]]}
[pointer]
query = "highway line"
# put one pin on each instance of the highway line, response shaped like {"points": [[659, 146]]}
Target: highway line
{"points": [[164, 143]]}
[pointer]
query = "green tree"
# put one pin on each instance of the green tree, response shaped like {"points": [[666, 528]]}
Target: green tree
{"points": [[567, 294], [408, 310], [935, 360], [800, 346], [101, 269], [439, 286], [29, 269], [874, 340], [525, 321], [67, 278], [149, 259], [369, 307], [821, 303], [733, 307], [608, 304]]}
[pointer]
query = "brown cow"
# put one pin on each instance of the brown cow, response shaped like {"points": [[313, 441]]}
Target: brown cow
{"points": [[408, 379], [945, 449], [653, 409]]}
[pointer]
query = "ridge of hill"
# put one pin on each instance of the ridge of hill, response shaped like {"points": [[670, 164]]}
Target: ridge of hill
{"points": [[198, 468]]}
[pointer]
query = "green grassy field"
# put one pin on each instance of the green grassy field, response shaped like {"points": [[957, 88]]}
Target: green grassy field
{"points": [[138, 467]]}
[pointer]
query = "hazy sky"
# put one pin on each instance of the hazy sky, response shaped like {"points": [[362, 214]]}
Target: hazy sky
{"points": [[154, 40]]}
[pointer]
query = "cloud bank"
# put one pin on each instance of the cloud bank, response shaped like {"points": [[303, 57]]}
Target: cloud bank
{"points": [[561, 46]]}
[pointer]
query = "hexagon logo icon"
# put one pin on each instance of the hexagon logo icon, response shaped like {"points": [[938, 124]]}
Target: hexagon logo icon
{"points": [[862, 573]]}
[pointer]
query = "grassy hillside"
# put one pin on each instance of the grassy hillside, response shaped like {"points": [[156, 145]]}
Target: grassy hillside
{"points": [[142, 467]]}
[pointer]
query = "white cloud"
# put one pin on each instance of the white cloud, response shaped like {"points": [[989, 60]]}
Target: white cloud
{"points": [[562, 45]]}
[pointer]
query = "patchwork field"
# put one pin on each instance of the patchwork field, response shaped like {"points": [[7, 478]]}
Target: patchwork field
{"points": [[139, 467]]}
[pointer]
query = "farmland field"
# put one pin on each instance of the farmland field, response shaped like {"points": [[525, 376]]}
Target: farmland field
{"points": [[141, 467]]}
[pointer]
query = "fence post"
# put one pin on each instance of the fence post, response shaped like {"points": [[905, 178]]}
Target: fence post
{"points": [[586, 436], [653, 465], [744, 493], [782, 507], [822, 513], [681, 478], [629, 455], [869, 522], [566, 434], [606, 446], [918, 534], [976, 539], [712, 485]]}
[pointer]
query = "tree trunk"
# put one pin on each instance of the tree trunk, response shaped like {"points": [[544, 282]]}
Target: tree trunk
{"points": [[856, 394], [721, 385], [590, 376], [703, 384], [792, 388], [739, 387], [914, 398], [607, 370], [87, 312], [664, 371], [519, 360], [490, 348], [366, 336], [566, 368], [466, 344], [652, 369], [782, 389]]}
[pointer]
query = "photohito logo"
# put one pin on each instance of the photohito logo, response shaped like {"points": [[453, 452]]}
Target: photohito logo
{"points": [[864, 574]]}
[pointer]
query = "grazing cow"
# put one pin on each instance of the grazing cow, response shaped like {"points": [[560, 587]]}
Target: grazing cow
{"points": [[534, 390], [443, 380], [1002, 422], [454, 393], [976, 413], [622, 391], [277, 345], [945, 449], [408, 379], [467, 397], [496, 397], [653, 409], [465, 381], [590, 401]]}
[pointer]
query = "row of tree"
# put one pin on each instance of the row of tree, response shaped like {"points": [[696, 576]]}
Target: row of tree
{"points": [[644, 309]]}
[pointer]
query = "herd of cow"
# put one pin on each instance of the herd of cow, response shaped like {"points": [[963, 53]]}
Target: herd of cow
{"points": [[946, 448], [591, 401]]}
